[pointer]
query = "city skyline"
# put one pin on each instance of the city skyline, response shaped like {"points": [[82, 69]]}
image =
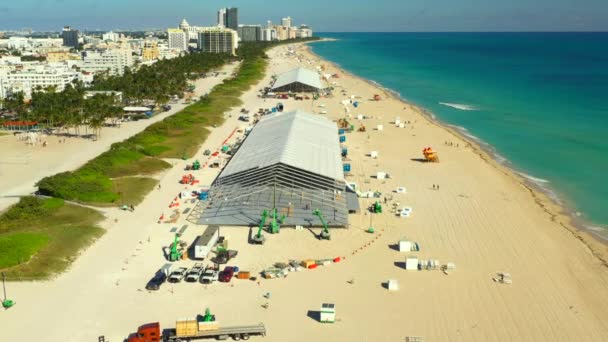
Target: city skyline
{"points": [[340, 15]]}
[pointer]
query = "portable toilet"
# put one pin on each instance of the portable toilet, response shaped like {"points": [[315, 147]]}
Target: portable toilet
{"points": [[380, 127], [341, 131], [392, 285], [346, 167], [405, 246], [355, 104], [149, 113], [343, 138], [411, 264], [280, 107], [274, 109], [344, 152], [225, 148], [327, 313], [203, 195]]}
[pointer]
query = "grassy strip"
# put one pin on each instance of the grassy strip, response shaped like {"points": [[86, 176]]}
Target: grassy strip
{"points": [[20, 247], [50, 230]]}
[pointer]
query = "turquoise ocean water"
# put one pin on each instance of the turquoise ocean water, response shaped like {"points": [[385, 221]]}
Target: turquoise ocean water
{"points": [[539, 100]]}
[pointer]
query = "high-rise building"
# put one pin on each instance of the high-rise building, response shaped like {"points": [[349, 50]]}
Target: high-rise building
{"points": [[221, 17], [250, 33], [286, 22], [269, 34], [178, 39], [70, 37], [232, 18], [282, 33], [217, 40]]}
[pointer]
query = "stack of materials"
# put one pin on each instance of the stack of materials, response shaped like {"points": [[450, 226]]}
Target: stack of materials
{"points": [[428, 265]]}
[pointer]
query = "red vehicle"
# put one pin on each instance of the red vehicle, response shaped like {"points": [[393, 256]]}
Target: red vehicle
{"points": [[227, 274]]}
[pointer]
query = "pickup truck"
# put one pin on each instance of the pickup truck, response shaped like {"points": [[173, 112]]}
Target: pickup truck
{"points": [[209, 276], [194, 273], [177, 275], [227, 274]]}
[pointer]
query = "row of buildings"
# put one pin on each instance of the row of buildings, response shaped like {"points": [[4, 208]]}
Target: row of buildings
{"points": [[38, 63], [225, 36]]}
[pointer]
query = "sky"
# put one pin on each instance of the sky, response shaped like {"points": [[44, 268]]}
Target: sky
{"points": [[321, 15]]}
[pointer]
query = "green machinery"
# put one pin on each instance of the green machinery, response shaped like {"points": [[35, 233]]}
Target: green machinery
{"points": [[207, 317], [275, 224], [376, 208], [259, 238], [175, 253], [6, 303], [324, 235], [196, 165]]}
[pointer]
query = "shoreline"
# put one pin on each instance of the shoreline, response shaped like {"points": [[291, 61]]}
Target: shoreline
{"points": [[559, 212]]}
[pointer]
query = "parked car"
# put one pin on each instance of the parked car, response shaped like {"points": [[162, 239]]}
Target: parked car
{"points": [[194, 273], [209, 276], [156, 281], [177, 275], [227, 274]]}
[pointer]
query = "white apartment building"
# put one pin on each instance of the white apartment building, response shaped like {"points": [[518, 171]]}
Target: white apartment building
{"points": [[18, 43], [269, 34], [286, 22], [178, 39], [111, 36], [114, 61], [191, 31], [33, 77]]}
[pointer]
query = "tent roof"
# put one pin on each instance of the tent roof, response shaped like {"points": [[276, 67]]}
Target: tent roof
{"points": [[298, 139], [301, 75]]}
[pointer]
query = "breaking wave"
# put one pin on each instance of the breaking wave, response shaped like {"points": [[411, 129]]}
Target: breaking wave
{"points": [[458, 106]]}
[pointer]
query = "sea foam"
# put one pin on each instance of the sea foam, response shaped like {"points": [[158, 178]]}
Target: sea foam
{"points": [[458, 106]]}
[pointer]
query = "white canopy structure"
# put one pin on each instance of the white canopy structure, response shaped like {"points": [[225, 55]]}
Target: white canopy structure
{"points": [[291, 162], [298, 80]]}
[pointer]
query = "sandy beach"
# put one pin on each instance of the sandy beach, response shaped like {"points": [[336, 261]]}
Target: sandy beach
{"points": [[482, 217]]}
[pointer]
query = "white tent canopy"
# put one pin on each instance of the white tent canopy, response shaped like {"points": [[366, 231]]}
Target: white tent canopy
{"points": [[299, 78]]}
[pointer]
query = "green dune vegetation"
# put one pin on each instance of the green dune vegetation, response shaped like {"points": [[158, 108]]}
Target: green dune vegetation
{"points": [[41, 237]]}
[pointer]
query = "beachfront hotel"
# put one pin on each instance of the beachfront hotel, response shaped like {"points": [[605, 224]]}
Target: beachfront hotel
{"points": [[178, 39], [217, 40]]}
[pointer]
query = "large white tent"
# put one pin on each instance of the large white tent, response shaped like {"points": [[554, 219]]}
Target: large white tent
{"points": [[298, 80], [290, 161]]}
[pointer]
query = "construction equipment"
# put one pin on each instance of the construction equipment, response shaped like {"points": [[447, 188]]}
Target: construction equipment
{"points": [[376, 208], [196, 165], [430, 155], [259, 238], [361, 128], [6, 303], [324, 235], [275, 224], [175, 252]]}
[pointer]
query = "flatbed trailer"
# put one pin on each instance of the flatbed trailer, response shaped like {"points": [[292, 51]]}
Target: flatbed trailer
{"points": [[235, 332]]}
